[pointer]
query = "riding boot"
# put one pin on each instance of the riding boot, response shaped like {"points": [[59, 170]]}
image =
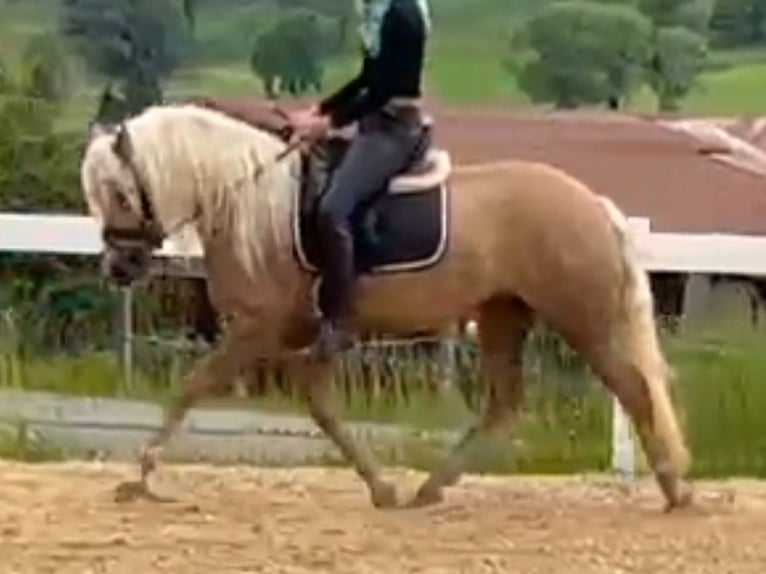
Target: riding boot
{"points": [[316, 175], [335, 288]]}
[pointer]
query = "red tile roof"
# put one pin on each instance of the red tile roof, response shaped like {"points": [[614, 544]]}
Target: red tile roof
{"points": [[648, 169]]}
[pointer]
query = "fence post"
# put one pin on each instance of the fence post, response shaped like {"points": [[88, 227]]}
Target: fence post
{"points": [[126, 340], [447, 364], [623, 448]]}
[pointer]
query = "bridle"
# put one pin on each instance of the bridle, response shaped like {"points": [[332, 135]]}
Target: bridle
{"points": [[149, 231]]}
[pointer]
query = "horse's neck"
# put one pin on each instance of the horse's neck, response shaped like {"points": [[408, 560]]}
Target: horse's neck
{"points": [[252, 272], [254, 232]]}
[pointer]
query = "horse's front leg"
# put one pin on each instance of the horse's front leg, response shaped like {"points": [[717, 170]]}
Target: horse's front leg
{"points": [[316, 380], [215, 371]]}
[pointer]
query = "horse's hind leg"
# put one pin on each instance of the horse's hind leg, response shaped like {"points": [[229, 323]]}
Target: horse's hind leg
{"points": [[503, 328], [646, 400], [633, 368]]}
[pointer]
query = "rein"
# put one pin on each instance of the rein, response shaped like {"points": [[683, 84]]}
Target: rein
{"points": [[291, 147], [293, 144]]}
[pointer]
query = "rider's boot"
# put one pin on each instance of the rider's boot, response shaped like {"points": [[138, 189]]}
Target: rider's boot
{"points": [[316, 174], [335, 288]]}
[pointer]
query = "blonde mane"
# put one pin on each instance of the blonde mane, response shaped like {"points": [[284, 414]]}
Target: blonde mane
{"points": [[197, 161]]}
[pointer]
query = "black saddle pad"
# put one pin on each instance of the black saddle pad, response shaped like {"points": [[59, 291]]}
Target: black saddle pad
{"points": [[400, 231]]}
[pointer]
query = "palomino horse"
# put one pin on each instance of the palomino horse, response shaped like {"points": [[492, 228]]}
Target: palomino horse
{"points": [[507, 243]]}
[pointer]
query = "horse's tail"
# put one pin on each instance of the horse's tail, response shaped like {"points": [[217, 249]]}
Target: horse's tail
{"points": [[640, 341]]}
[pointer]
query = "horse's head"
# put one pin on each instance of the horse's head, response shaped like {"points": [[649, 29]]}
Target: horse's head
{"points": [[174, 165], [117, 196]]}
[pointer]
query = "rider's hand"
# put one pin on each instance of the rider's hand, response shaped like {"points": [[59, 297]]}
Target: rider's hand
{"points": [[309, 124], [301, 118]]}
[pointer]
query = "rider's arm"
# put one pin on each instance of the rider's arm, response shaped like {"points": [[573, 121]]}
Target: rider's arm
{"points": [[397, 69], [345, 94]]}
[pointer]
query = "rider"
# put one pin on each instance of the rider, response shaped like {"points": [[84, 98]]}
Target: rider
{"points": [[385, 100]]}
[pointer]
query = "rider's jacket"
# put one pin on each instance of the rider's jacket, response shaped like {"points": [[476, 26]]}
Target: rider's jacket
{"points": [[392, 65]]}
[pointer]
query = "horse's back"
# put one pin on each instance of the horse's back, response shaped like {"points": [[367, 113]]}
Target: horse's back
{"points": [[523, 175], [525, 196]]}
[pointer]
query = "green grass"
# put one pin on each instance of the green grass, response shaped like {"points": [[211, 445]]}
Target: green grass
{"points": [[20, 20], [722, 397], [466, 71], [226, 30], [18, 443], [736, 91]]}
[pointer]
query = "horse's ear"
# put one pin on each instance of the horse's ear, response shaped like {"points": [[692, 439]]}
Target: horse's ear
{"points": [[123, 145], [97, 129]]}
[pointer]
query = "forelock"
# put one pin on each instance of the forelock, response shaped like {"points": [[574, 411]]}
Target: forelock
{"points": [[100, 166]]}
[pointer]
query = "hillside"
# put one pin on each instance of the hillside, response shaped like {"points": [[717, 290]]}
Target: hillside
{"points": [[464, 65]]}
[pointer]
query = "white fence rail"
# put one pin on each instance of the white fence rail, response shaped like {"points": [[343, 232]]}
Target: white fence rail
{"points": [[671, 252], [676, 252], [67, 234]]}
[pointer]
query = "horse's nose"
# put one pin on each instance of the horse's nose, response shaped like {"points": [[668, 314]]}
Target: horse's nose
{"points": [[135, 257], [119, 274]]}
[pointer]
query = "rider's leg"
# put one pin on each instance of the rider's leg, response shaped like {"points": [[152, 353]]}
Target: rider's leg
{"points": [[376, 154], [320, 162]]}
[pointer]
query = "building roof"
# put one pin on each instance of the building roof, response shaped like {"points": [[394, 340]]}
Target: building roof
{"points": [[660, 168], [645, 166]]}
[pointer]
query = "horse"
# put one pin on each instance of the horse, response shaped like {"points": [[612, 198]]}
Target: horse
{"points": [[506, 243]]}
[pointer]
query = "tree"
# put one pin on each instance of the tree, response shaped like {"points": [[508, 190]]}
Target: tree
{"points": [[135, 43], [38, 165], [189, 8], [341, 12], [679, 58], [691, 14], [581, 52], [695, 15], [680, 47], [48, 66], [739, 22], [290, 54]]}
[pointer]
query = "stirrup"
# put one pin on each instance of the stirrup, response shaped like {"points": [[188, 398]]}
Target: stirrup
{"points": [[330, 340]]}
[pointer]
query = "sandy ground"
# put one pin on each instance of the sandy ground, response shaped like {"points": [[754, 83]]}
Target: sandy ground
{"points": [[64, 519]]}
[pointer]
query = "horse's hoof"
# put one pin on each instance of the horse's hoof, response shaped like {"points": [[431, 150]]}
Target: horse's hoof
{"points": [[426, 497], [133, 490], [683, 498], [129, 491], [384, 496]]}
